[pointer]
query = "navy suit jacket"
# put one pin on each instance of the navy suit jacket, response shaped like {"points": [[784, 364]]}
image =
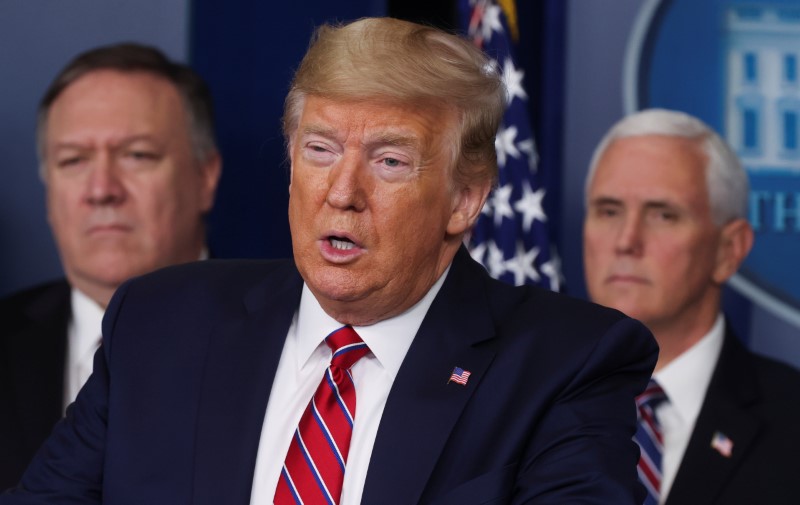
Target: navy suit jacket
{"points": [[33, 349], [755, 402], [174, 409]]}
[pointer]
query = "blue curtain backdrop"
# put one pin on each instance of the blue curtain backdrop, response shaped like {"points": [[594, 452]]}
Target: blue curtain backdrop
{"points": [[247, 51]]}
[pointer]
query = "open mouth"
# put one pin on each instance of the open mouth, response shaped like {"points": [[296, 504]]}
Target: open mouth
{"points": [[341, 243]]}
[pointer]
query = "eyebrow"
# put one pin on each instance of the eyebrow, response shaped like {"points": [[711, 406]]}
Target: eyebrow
{"points": [[648, 204], [318, 130], [394, 139], [605, 200], [122, 142], [379, 139]]}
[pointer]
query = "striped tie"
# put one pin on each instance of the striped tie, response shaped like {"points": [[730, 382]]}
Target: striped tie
{"points": [[650, 440], [313, 471]]}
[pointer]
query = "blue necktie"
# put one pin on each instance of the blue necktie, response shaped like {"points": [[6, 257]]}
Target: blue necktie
{"points": [[650, 440]]}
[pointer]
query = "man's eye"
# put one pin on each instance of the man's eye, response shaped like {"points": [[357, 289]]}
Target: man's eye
{"points": [[392, 162], [606, 211], [318, 151], [142, 155], [70, 161]]}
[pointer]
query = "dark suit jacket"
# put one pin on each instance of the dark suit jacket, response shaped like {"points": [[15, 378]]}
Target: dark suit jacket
{"points": [[174, 409], [755, 402], [33, 344]]}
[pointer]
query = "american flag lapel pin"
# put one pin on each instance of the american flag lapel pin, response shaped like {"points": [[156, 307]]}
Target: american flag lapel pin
{"points": [[722, 444], [459, 376]]}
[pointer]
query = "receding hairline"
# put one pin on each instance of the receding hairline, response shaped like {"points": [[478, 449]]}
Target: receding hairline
{"points": [[93, 74], [725, 177], [131, 57]]}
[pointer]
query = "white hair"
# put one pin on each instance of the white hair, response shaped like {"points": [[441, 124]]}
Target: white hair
{"points": [[727, 183]]}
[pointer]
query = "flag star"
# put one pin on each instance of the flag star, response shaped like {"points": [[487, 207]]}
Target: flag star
{"points": [[552, 270], [521, 265], [512, 220], [504, 145], [495, 261], [530, 206], [487, 209], [478, 251], [529, 148], [491, 22], [513, 81], [501, 203]]}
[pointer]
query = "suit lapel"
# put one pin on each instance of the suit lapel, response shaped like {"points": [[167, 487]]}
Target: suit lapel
{"points": [[423, 407], [704, 470], [39, 351], [242, 359]]}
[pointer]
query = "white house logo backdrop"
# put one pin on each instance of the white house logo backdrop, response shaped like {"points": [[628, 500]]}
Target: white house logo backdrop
{"points": [[736, 65]]}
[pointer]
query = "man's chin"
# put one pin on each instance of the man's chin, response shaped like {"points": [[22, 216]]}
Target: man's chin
{"points": [[111, 273], [630, 304]]}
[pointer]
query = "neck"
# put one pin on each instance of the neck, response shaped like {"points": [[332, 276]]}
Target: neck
{"points": [[101, 295], [676, 339]]}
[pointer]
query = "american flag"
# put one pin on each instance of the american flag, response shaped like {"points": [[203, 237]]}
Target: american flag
{"points": [[459, 375], [511, 237], [722, 444]]}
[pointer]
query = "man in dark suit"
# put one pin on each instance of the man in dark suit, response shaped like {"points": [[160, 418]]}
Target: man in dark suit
{"points": [[665, 228], [226, 381], [129, 162]]}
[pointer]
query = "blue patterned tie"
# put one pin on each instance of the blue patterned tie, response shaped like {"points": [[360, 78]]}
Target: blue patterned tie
{"points": [[650, 440]]}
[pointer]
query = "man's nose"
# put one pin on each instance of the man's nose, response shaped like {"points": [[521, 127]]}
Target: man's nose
{"points": [[103, 186], [346, 181], [629, 238]]}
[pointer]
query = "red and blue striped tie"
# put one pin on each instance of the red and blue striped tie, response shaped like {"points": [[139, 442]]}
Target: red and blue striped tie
{"points": [[313, 471], [650, 440]]}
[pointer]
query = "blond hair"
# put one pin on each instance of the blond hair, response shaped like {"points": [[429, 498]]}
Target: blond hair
{"points": [[402, 62]]}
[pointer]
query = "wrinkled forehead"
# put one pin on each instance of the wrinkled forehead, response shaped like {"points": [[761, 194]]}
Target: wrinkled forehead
{"points": [[379, 120], [652, 157]]}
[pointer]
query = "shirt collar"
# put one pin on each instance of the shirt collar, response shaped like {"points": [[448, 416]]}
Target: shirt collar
{"points": [[87, 318], [388, 340], [686, 378]]}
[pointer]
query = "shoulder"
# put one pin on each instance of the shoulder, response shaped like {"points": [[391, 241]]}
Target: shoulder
{"points": [[208, 276], [46, 294], [577, 332], [778, 382], [41, 302], [528, 320], [534, 309], [564, 311], [529, 309], [759, 381], [194, 287]]}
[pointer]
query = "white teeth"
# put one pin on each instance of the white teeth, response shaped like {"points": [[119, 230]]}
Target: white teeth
{"points": [[342, 245]]}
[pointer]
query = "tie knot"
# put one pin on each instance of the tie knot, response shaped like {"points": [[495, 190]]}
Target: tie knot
{"points": [[346, 346], [652, 396]]}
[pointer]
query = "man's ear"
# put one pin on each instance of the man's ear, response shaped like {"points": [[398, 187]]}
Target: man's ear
{"points": [[290, 159], [212, 170], [736, 240], [468, 201]]}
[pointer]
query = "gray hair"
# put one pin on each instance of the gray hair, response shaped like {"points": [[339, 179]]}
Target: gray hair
{"points": [[727, 183]]}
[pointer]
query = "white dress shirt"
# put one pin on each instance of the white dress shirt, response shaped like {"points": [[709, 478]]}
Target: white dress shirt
{"points": [[84, 335], [685, 381], [303, 361]]}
